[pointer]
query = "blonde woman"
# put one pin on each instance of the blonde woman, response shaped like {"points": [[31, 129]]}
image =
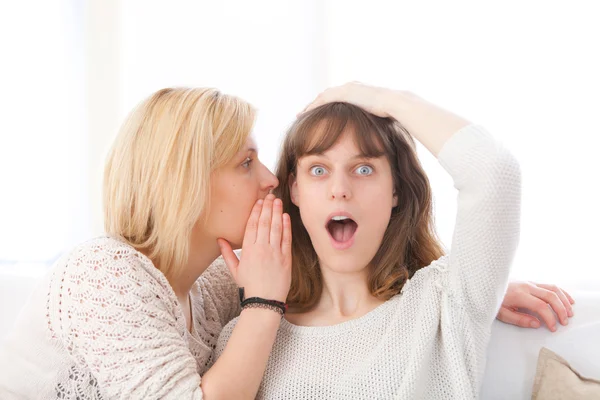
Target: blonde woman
{"points": [[137, 314]]}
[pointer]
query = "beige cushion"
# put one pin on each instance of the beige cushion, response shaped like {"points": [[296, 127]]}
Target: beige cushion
{"points": [[556, 379]]}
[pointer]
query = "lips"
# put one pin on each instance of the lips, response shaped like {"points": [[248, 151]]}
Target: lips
{"points": [[342, 229]]}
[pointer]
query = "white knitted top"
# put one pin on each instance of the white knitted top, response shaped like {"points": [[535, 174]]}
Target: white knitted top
{"points": [[429, 342], [106, 324]]}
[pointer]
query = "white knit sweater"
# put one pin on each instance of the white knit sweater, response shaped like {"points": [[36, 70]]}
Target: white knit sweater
{"points": [[429, 342], [105, 324]]}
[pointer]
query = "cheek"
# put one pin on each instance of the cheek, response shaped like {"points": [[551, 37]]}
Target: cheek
{"points": [[231, 203], [378, 202], [310, 203]]}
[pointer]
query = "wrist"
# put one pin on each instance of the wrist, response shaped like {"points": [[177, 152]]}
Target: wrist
{"points": [[266, 317], [246, 294], [391, 101], [398, 102]]}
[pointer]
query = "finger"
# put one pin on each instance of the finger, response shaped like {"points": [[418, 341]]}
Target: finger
{"points": [[276, 224], [534, 304], [264, 222], [523, 320], [571, 299], [229, 256], [562, 296], [286, 240], [554, 301], [252, 224], [560, 291], [326, 97], [313, 105], [306, 107]]}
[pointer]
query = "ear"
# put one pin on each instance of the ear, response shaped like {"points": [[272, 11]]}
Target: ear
{"points": [[293, 184], [395, 200]]}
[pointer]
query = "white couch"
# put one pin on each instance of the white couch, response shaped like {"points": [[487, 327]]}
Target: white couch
{"points": [[512, 355], [513, 351]]}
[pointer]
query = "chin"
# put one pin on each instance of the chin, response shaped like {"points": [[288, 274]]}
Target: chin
{"points": [[236, 245], [344, 263], [235, 241]]}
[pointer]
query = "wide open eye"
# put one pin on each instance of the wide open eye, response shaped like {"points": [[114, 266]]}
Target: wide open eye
{"points": [[364, 170]]}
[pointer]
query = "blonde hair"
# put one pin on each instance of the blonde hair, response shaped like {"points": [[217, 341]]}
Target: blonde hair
{"points": [[410, 241], [157, 174]]}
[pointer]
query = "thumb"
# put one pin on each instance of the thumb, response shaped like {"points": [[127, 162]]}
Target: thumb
{"points": [[229, 256]]}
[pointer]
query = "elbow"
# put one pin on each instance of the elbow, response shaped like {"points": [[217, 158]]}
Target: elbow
{"points": [[506, 171]]}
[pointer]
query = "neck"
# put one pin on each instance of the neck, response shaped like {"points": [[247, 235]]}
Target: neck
{"points": [[345, 295], [202, 253]]}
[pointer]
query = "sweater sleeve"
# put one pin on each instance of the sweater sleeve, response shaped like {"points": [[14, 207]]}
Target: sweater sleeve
{"points": [[486, 234], [116, 316]]}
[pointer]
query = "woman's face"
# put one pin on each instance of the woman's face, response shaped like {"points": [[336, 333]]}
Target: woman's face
{"points": [[235, 188], [345, 203]]}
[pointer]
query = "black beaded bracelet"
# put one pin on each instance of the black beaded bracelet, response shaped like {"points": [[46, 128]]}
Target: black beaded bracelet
{"points": [[258, 300]]}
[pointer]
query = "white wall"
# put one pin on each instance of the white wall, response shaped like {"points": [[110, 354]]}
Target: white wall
{"points": [[528, 71], [43, 186], [73, 69]]}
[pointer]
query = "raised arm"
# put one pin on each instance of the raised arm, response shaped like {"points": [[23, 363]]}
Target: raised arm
{"points": [[486, 176]]}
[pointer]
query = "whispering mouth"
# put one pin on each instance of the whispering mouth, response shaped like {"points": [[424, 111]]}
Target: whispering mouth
{"points": [[341, 228]]}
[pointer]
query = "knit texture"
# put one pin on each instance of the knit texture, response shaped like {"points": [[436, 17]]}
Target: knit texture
{"points": [[429, 341], [106, 324]]}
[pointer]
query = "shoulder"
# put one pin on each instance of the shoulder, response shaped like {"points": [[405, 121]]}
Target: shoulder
{"points": [[433, 276], [107, 255], [110, 269], [435, 269]]}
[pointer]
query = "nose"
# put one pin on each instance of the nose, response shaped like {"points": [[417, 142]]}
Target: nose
{"points": [[340, 188], [268, 181]]}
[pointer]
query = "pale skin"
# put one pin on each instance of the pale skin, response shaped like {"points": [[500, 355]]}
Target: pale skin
{"points": [[345, 295]]}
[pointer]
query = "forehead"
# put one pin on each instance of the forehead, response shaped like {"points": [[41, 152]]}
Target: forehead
{"points": [[345, 145], [250, 144], [332, 135]]}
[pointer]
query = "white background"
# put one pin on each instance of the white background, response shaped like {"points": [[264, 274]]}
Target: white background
{"points": [[528, 71]]}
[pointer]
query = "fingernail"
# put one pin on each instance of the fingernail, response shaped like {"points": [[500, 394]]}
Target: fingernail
{"points": [[535, 324], [553, 328], [570, 312], [260, 201], [277, 202], [565, 322]]}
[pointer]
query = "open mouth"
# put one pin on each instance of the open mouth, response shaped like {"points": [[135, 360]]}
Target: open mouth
{"points": [[342, 229]]}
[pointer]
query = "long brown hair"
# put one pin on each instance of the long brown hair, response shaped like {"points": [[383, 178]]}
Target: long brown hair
{"points": [[410, 241]]}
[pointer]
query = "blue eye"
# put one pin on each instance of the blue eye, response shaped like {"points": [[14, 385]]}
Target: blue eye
{"points": [[317, 171], [364, 170]]}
